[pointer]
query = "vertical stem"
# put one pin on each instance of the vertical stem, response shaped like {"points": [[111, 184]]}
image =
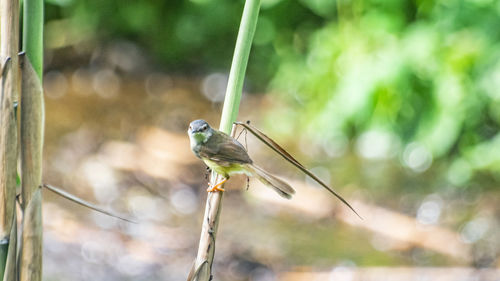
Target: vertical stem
{"points": [[9, 40], [31, 109], [32, 122], [202, 269], [33, 34], [239, 65]]}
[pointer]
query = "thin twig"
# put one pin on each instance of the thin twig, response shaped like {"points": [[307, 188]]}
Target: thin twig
{"points": [[84, 203], [277, 148], [246, 148]]}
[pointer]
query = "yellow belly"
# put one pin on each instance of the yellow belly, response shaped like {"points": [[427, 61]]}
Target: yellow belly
{"points": [[226, 171]]}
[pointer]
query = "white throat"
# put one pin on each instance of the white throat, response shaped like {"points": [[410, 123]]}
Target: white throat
{"points": [[198, 139]]}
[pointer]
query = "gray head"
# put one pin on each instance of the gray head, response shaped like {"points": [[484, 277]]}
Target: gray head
{"points": [[199, 131], [198, 126]]}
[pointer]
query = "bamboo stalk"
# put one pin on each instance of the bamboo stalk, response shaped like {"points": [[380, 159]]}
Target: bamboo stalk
{"points": [[32, 122], [239, 65], [10, 273], [33, 34], [9, 40], [202, 268]]}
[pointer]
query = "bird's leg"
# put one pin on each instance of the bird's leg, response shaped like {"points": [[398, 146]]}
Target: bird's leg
{"points": [[217, 187], [207, 173]]}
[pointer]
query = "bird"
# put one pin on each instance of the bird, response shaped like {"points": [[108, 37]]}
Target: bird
{"points": [[226, 156]]}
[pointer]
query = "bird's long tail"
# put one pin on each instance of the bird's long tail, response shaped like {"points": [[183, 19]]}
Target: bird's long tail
{"points": [[281, 187]]}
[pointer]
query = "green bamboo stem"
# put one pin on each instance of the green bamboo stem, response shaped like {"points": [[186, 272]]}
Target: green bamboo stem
{"points": [[32, 127], [239, 65], [202, 268], [9, 40], [33, 34], [4, 250]]}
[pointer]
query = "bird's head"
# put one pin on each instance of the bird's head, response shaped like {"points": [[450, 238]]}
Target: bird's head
{"points": [[199, 131]]}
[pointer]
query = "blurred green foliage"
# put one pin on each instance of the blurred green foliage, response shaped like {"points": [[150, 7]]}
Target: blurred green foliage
{"points": [[194, 36], [414, 79]]}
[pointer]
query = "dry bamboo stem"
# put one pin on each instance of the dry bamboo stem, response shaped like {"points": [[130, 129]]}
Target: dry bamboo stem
{"points": [[31, 128], [9, 40], [32, 119], [206, 248]]}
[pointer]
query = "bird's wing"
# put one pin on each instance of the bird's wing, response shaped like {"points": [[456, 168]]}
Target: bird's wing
{"points": [[224, 150]]}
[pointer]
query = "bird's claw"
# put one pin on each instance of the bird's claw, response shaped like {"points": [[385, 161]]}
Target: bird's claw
{"points": [[217, 187]]}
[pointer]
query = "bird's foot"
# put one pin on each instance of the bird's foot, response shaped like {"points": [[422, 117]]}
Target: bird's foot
{"points": [[217, 187]]}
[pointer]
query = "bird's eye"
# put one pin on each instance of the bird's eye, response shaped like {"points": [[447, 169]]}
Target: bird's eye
{"points": [[190, 128], [204, 127]]}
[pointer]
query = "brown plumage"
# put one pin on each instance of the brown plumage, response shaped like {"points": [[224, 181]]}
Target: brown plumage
{"points": [[226, 156]]}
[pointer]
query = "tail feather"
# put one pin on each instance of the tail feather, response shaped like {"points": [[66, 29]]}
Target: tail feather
{"points": [[281, 187]]}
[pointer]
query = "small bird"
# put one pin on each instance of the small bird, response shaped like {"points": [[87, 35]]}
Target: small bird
{"points": [[227, 157]]}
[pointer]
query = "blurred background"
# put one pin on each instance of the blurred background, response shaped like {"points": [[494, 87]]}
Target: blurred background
{"points": [[396, 104]]}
